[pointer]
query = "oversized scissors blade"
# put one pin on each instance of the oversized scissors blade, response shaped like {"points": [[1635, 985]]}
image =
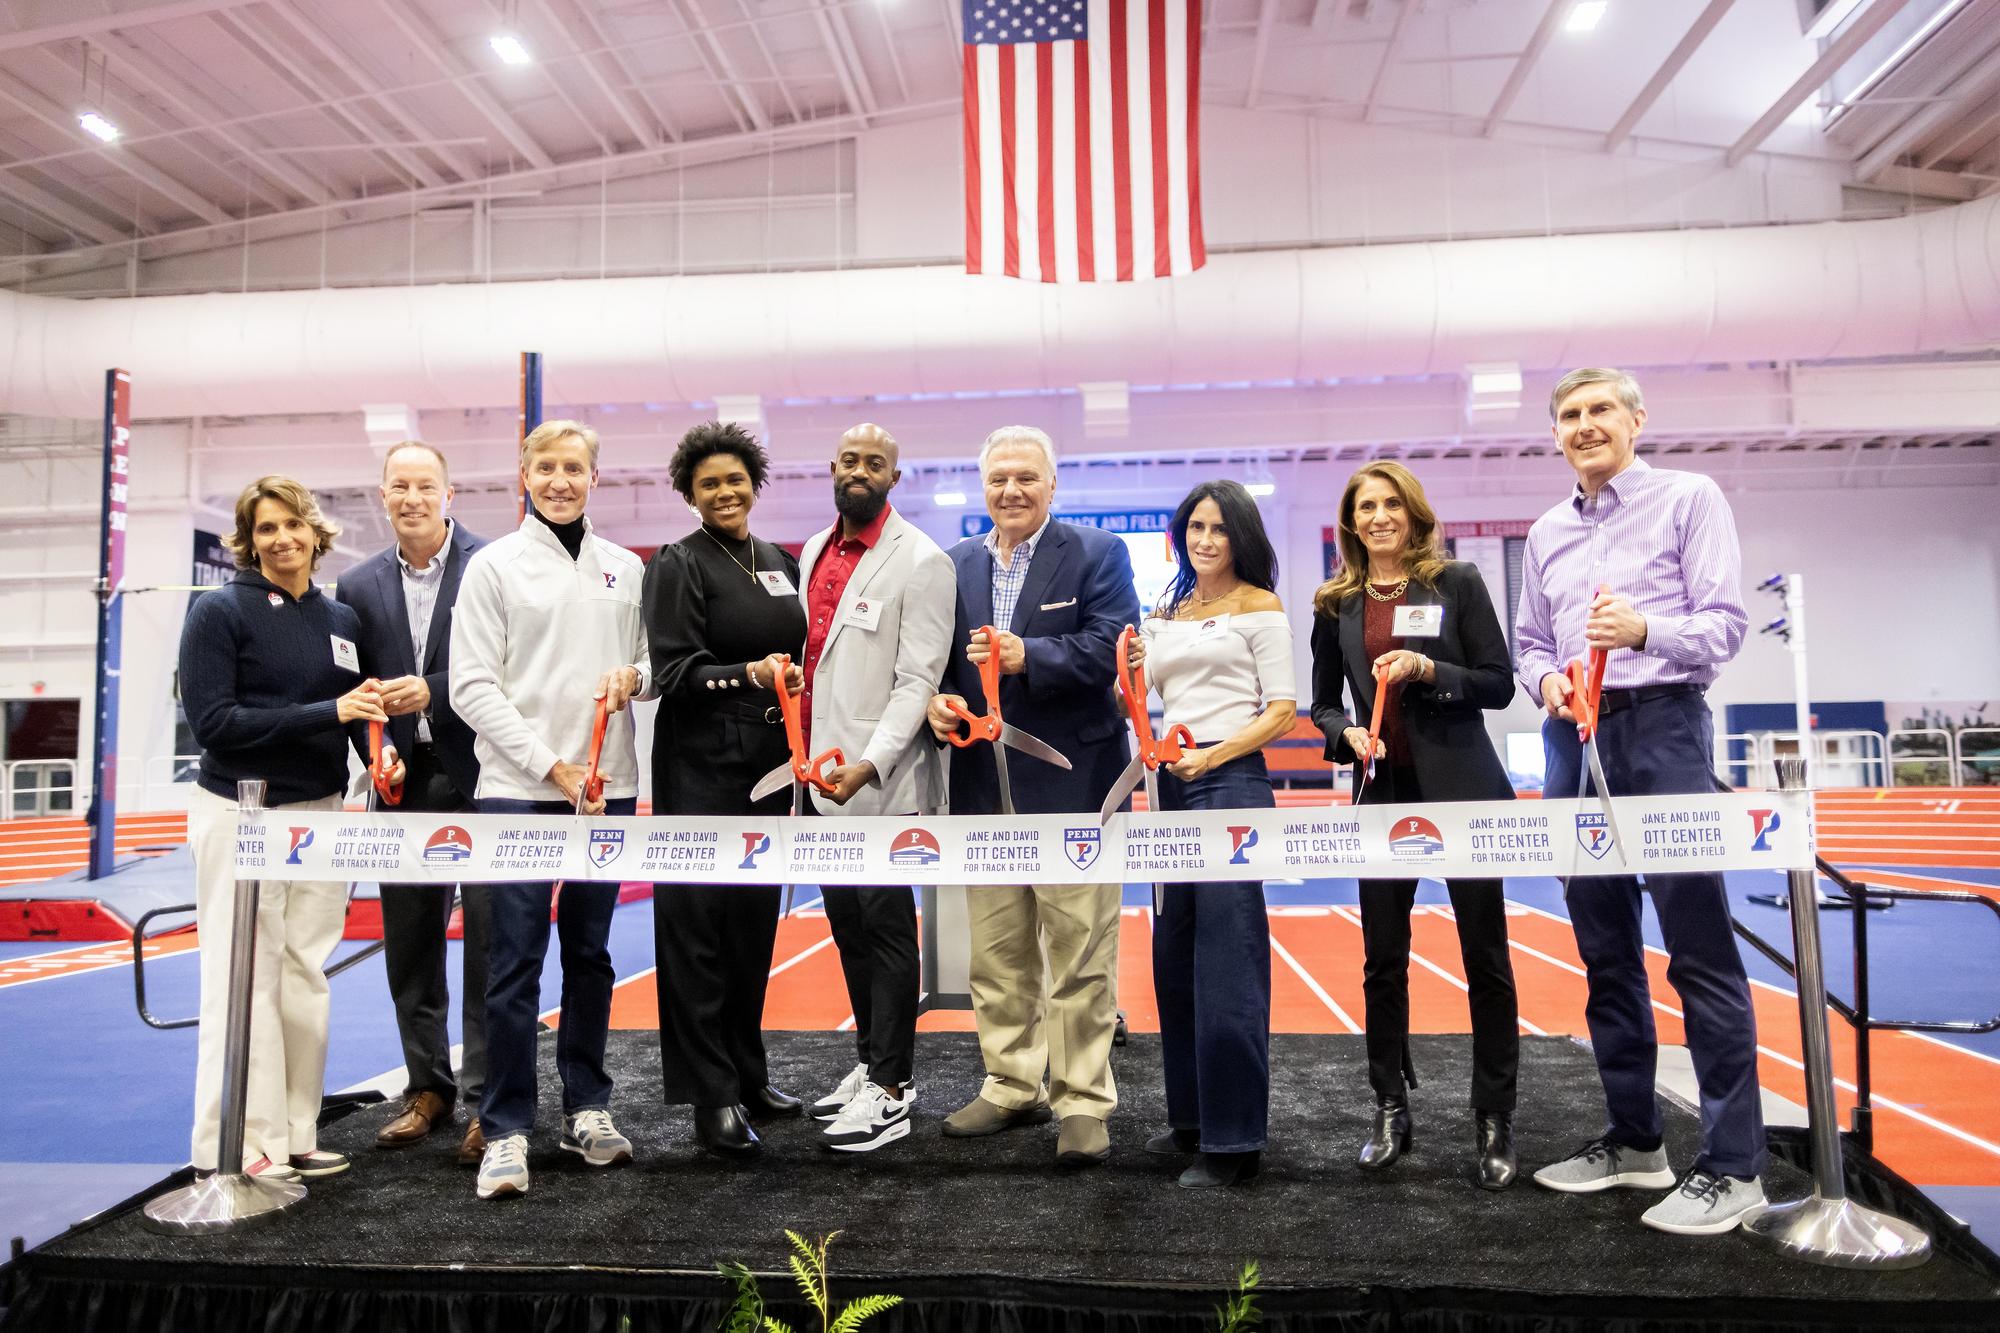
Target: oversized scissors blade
{"points": [[775, 781], [1127, 783], [1032, 745], [1153, 808], [1596, 770], [1006, 785]]}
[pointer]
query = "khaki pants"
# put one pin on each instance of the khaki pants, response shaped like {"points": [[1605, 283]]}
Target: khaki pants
{"points": [[1061, 1027], [298, 924]]}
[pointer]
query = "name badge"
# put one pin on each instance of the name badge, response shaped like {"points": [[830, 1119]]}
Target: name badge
{"points": [[1214, 627], [866, 613], [344, 654], [775, 583], [1418, 622]]}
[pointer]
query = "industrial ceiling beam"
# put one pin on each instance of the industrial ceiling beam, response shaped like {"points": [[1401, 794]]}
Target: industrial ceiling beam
{"points": [[1676, 61], [1836, 53], [1517, 78]]}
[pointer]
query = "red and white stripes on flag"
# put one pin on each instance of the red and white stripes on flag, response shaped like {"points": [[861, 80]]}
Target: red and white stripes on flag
{"points": [[1082, 153]]}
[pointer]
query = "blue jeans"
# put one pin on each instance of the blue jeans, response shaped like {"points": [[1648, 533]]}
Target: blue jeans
{"points": [[518, 944], [1657, 748], [1212, 979]]}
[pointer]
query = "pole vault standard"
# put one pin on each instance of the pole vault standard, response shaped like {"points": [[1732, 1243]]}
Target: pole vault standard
{"points": [[530, 414], [103, 814], [1828, 1228]]}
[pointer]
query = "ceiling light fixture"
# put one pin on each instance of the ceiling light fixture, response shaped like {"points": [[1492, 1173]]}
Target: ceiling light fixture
{"points": [[510, 49], [1585, 15], [948, 495], [97, 127]]}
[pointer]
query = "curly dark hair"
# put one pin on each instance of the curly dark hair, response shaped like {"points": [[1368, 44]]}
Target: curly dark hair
{"points": [[716, 437]]}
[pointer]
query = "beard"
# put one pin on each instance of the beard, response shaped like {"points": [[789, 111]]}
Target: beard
{"points": [[859, 507]]}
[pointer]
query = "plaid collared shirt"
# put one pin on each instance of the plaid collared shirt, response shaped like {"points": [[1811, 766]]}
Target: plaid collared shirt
{"points": [[1008, 577]]}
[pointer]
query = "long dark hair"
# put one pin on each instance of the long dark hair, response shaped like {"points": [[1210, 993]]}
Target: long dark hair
{"points": [[1249, 548]]}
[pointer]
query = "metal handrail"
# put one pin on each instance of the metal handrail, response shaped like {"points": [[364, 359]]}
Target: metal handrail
{"points": [[51, 767], [1822, 761], [1949, 758], [1991, 756], [146, 1015]]}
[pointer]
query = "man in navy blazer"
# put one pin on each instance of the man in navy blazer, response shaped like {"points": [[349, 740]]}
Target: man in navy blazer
{"points": [[403, 596], [1057, 597]]}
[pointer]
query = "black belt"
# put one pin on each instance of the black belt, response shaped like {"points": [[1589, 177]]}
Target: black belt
{"points": [[750, 710], [1617, 701]]}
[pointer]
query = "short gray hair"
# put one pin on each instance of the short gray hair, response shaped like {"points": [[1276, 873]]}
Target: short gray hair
{"points": [[1621, 382], [1017, 435]]}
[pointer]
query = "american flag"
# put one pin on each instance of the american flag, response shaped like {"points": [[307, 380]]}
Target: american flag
{"points": [[1082, 139]]}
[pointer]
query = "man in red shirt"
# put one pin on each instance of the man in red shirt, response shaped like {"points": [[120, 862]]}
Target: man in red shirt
{"points": [[878, 595]]}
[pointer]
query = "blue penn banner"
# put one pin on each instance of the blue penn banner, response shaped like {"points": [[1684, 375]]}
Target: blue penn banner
{"points": [[1559, 838], [103, 813]]}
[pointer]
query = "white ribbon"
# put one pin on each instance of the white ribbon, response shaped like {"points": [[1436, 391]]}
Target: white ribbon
{"points": [[1660, 835]]}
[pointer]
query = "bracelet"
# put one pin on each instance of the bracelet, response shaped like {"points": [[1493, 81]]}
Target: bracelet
{"points": [[750, 670]]}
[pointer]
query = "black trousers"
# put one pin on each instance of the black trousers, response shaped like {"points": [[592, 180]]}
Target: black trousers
{"points": [[1481, 909], [415, 919], [875, 930], [712, 945]]}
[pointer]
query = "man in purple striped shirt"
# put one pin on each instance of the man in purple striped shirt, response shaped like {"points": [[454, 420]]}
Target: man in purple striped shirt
{"points": [[1664, 543]]}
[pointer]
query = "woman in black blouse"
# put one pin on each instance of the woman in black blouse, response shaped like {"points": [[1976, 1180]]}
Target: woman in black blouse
{"points": [[721, 606], [1443, 665]]}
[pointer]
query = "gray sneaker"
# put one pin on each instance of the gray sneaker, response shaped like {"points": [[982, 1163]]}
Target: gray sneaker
{"points": [[1601, 1165], [1706, 1205], [592, 1136], [503, 1171]]}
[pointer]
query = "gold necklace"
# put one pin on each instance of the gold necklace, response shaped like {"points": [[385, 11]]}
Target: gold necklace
{"points": [[752, 569], [1389, 596]]}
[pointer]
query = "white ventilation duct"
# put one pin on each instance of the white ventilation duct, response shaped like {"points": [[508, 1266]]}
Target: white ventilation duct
{"points": [[1899, 287]]}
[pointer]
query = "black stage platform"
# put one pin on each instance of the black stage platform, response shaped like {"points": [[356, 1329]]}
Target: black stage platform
{"points": [[983, 1236]]}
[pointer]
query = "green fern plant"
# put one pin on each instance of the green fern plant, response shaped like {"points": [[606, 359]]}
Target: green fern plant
{"points": [[746, 1310], [1239, 1313], [808, 1264]]}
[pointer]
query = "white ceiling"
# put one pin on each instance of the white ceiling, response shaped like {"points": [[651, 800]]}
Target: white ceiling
{"points": [[288, 110]]}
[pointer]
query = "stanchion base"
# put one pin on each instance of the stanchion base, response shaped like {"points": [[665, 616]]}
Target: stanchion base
{"points": [[222, 1203], [1840, 1234]]}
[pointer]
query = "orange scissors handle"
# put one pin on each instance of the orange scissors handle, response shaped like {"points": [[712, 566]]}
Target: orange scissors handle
{"points": [[593, 781], [982, 727], [1375, 718], [1169, 748], [1153, 751], [811, 771], [391, 795]]}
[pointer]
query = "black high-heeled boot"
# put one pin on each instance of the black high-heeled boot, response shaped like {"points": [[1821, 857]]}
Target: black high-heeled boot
{"points": [[1493, 1141], [1219, 1170], [1390, 1138]]}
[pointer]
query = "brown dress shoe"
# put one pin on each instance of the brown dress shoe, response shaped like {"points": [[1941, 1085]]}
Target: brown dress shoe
{"points": [[979, 1117], [1083, 1141], [421, 1113], [474, 1146]]}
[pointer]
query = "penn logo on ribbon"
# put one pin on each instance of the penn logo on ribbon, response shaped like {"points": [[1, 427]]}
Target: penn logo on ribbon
{"points": [[1763, 823], [448, 846], [754, 846], [915, 847], [1593, 833], [605, 846], [1083, 846], [302, 838], [1416, 839], [1242, 837]]}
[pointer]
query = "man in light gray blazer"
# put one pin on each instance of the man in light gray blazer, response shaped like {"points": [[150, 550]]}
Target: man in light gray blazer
{"points": [[878, 595]]}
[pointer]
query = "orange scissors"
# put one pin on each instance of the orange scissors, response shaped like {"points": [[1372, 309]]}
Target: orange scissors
{"points": [[1374, 731], [991, 727], [1586, 692], [593, 781], [1152, 752], [377, 772], [800, 771]]}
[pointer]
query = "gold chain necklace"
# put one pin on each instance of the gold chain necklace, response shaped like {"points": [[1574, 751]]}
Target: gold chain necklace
{"points": [[751, 570], [1389, 596]]}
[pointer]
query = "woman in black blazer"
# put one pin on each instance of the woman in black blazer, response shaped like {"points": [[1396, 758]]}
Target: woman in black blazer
{"points": [[1433, 747], [721, 604]]}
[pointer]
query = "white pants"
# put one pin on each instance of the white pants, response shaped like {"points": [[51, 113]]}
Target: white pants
{"points": [[298, 924]]}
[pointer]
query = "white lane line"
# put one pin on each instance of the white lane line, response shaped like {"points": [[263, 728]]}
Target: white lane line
{"points": [[1314, 986], [1876, 1097], [801, 956]]}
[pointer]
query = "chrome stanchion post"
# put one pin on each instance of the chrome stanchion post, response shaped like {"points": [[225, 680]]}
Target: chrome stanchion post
{"points": [[229, 1199], [1827, 1228]]}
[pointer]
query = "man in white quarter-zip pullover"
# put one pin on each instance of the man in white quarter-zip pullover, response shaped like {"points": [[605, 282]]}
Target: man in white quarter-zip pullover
{"points": [[548, 622]]}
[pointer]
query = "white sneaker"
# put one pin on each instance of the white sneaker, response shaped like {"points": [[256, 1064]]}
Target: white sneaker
{"points": [[872, 1119], [503, 1171], [266, 1169], [592, 1136], [1707, 1205], [830, 1106]]}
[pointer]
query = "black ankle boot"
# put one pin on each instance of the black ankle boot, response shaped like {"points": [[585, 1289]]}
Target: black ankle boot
{"points": [[725, 1131], [1493, 1141], [767, 1103], [1219, 1170], [1174, 1143], [1390, 1138]]}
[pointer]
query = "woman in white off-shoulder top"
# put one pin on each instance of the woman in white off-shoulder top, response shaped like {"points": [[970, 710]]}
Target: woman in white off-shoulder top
{"points": [[1218, 651]]}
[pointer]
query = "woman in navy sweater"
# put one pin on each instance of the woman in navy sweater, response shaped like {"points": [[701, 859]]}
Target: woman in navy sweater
{"points": [[270, 676]]}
